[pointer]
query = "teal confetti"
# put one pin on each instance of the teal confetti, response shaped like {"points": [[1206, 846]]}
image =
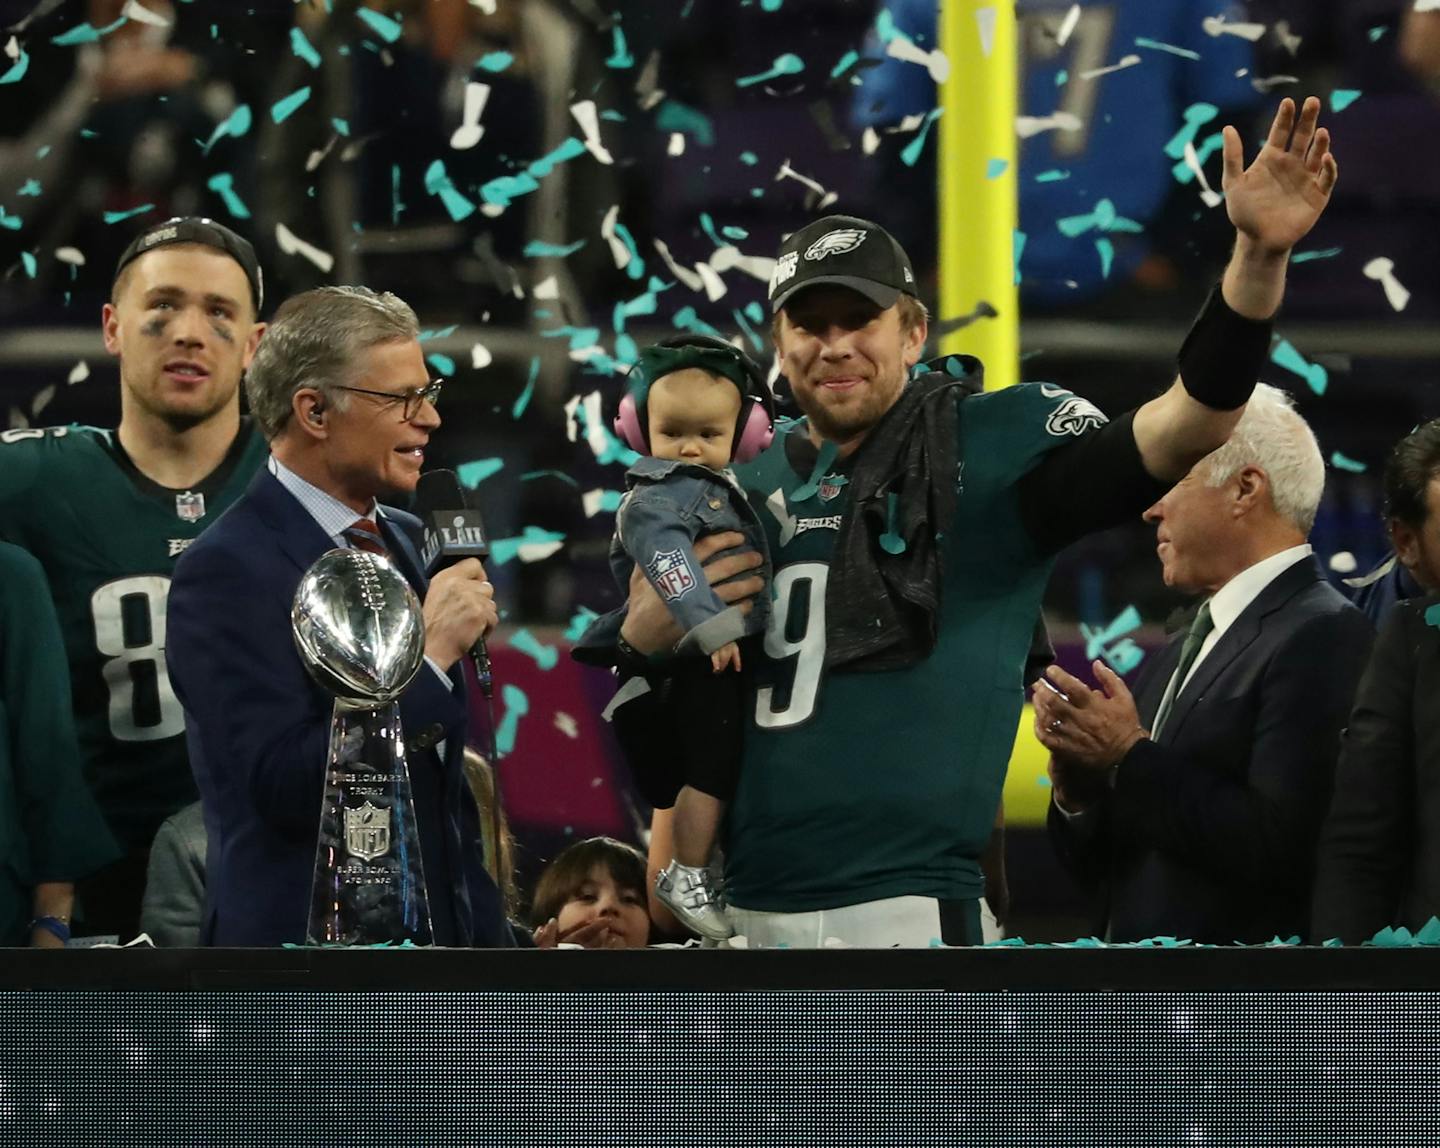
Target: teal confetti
{"points": [[738, 234], [995, 168], [397, 208], [283, 109], [524, 400], [635, 268], [235, 125], [1062, 77], [429, 335], [118, 216], [1183, 172], [502, 190], [1102, 641], [1106, 250], [531, 475], [42, 152], [437, 182], [1342, 462], [824, 460], [708, 226], [442, 363], [517, 705], [546, 657], [580, 623], [885, 28], [85, 34], [10, 222], [30, 265], [673, 116], [890, 542], [844, 64], [1306, 256], [620, 56], [32, 188], [302, 47], [223, 184], [386, 27], [1377, 32], [502, 550], [1103, 218], [495, 61], [1161, 46], [1196, 117], [754, 312], [786, 64], [1342, 98], [748, 330], [16, 72], [538, 249], [687, 319], [1285, 355], [911, 152], [770, 5], [341, 126], [1432, 615], [472, 474], [749, 158], [1043, 781], [610, 115], [1020, 238], [1054, 175]]}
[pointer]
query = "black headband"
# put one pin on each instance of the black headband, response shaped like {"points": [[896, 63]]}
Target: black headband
{"points": [[196, 229]]}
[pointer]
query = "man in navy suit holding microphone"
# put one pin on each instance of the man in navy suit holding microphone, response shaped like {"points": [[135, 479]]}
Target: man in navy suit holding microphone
{"points": [[339, 389]]}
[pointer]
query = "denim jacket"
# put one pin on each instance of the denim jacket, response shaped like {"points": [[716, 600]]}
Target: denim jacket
{"points": [[668, 506]]}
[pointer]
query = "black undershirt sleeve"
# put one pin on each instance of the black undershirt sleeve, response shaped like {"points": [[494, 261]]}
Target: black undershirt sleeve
{"points": [[1096, 482]]}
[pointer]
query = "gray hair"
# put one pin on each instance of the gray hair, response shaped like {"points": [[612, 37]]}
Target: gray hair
{"points": [[314, 341], [1272, 435]]}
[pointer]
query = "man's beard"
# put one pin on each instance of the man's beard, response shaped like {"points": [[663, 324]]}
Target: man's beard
{"points": [[851, 419]]}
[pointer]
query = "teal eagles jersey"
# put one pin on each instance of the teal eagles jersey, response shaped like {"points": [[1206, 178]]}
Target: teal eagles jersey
{"points": [[108, 540], [861, 786]]}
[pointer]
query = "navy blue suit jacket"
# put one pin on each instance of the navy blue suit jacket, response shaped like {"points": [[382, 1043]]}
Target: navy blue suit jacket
{"points": [[1210, 831], [258, 730]]}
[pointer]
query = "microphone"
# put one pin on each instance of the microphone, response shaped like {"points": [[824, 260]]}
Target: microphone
{"points": [[454, 531]]}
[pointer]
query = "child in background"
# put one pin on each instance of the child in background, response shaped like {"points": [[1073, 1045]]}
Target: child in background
{"points": [[693, 406], [593, 895]]}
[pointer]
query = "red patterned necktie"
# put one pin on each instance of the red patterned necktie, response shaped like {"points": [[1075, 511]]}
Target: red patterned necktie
{"points": [[363, 534]]}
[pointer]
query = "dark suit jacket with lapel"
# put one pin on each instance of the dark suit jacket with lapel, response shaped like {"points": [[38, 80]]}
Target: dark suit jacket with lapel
{"points": [[258, 732], [1379, 859], [1210, 832]]}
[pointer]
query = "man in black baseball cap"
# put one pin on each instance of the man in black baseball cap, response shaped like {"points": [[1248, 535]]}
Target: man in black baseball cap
{"points": [[107, 512], [207, 233], [912, 527]]}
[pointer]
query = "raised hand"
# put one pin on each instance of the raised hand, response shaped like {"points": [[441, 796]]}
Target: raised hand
{"points": [[1277, 199]]}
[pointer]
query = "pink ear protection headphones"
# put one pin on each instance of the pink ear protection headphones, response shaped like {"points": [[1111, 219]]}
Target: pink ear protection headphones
{"points": [[754, 429]]}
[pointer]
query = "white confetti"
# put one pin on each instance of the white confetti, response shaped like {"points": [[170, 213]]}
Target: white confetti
{"points": [[1208, 197], [469, 133], [985, 24], [547, 288], [42, 400], [1266, 83], [591, 501], [1427, 5], [567, 725], [18, 421], [71, 255], [1027, 126], [589, 121], [12, 48], [788, 172], [537, 551], [1125, 62], [1384, 270], [1344, 562], [676, 146], [78, 373], [870, 141], [684, 274], [317, 155], [572, 424], [759, 267], [936, 62], [1219, 26], [486, 6], [1072, 18], [292, 244], [142, 15], [618, 248], [1286, 37], [714, 286], [480, 357]]}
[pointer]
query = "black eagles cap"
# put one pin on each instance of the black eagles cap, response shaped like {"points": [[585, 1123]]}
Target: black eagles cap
{"points": [[197, 229], [847, 251]]}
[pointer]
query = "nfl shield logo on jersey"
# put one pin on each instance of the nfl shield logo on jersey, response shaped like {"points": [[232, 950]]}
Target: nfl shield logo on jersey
{"points": [[190, 506], [671, 574], [831, 485]]}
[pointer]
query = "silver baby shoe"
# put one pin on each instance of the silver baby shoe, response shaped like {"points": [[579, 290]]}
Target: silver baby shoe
{"points": [[687, 891]]}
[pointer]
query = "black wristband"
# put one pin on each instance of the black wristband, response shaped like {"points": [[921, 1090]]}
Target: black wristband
{"points": [[1221, 357], [630, 661]]}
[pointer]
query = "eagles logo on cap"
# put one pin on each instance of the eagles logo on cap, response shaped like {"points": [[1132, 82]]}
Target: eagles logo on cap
{"points": [[845, 251]]}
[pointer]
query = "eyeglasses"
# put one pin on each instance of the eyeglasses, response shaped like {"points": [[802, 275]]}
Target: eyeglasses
{"points": [[411, 398]]}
